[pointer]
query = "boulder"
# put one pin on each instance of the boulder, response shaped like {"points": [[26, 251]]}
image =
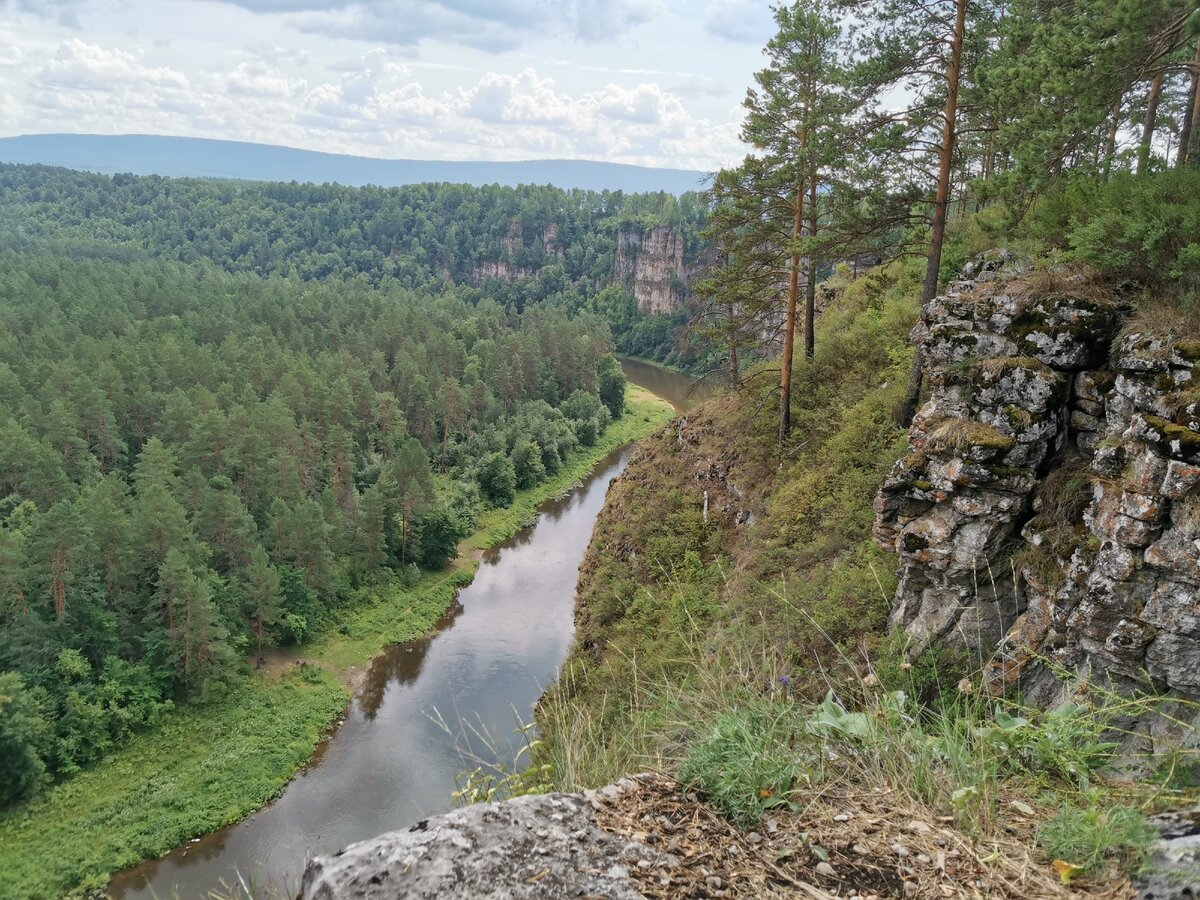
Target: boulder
{"points": [[541, 846]]}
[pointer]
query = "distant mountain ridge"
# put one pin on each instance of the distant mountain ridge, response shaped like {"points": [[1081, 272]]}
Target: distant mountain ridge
{"points": [[143, 154]]}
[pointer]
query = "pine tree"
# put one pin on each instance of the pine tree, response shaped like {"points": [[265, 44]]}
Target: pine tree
{"points": [[224, 523], [795, 119], [14, 600], [199, 652], [261, 598], [739, 293], [917, 46], [62, 559]]}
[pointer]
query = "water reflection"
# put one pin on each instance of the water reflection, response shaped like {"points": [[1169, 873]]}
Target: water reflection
{"points": [[400, 663], [428, 710], [681, 391]]}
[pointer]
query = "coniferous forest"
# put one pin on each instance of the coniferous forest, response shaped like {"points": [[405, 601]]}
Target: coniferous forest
{"points": [[198, 464]]}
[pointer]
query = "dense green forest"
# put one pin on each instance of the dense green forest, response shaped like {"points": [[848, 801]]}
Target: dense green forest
{"points": [[229, 409], [559, 247], [196, 464]]}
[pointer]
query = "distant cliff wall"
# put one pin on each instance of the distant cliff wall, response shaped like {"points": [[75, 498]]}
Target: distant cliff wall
{"points": [[651, 263], [1048, 514]]}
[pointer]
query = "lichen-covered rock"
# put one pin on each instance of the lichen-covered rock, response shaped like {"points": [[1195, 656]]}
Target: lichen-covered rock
{"points": [[544, 846], [1019, 387], [1173, 871]]}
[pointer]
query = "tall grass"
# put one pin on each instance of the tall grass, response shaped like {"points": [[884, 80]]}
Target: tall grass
{"points": [[730, 723]]}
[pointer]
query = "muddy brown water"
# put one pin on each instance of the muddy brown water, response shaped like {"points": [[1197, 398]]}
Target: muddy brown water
{"points": [[428, 710]]}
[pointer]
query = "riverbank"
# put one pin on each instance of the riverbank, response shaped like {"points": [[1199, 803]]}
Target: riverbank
{"points": [[207, 767]]}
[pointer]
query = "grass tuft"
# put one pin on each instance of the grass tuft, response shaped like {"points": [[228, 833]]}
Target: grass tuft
{"points": [[1084, 836]]}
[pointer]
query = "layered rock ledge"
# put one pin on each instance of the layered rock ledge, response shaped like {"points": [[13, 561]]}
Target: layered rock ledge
{"points": [[1048, 515]]}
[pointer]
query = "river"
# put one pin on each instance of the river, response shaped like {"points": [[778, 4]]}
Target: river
{"points": [[428, 710]]}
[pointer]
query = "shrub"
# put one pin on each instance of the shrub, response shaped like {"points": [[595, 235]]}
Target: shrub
{"points": [[1084, 835], [497, 479], [1146, 228], [438, 532], [746, 764], [25, 740]]}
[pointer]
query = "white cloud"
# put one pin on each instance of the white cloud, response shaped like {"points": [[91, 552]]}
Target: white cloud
{"points": [[741, 21], [521, 99], [259, 80], [493, 25], [82, 66], [660, 107]]}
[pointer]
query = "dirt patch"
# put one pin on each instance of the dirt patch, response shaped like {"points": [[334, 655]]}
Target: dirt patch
{"points": [[275, 661], [836, 847]]}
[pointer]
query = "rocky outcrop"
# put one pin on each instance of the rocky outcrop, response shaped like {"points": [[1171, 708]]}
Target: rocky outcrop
{"points": [[540, 846], [651, 264], [1173, 871], [507, 267], [1048, 514]]}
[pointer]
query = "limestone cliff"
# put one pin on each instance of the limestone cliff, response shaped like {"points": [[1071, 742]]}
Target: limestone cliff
{"points": [[540, 846], [1048, 513], [509, 266], [651, 264]]}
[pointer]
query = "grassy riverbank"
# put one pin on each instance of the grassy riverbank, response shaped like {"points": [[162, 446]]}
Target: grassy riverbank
{"points": [[209, 766]]}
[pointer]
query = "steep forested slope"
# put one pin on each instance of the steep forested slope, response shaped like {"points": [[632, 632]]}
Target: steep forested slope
{"points": [[740, 625]]}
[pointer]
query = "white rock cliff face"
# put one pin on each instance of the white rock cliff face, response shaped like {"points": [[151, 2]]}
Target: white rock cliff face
{"points": [[1024, 401], [651, 265], [540, 846]]}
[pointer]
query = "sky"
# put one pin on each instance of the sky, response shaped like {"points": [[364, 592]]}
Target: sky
{"points": [[650, 82]]}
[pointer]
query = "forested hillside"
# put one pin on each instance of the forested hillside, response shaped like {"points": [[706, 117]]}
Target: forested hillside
{"points": [[518, 246], [196, 465]]}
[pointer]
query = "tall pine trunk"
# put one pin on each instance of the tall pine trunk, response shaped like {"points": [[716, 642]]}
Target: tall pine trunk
{"points": [[789, 337], [1189, 140], [731, 323], [789, 328], [810, 289], [941, 203], [1148, 126]]}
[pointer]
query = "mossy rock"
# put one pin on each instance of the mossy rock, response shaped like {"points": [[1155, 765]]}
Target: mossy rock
{"points": [[1172, 432], [998, 366], [967, 434], [1018, 419], [1189, 349], [913, 461], [1093, 331]]}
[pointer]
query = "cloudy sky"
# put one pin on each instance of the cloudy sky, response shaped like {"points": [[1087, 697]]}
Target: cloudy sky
{"points": [[655, 82]]}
